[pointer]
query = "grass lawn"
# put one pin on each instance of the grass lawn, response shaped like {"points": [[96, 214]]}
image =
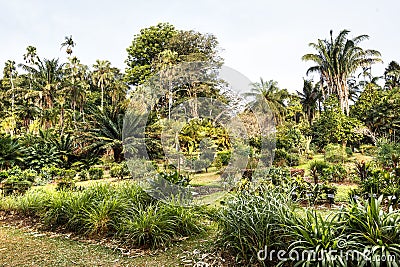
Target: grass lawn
{"points": [[21, 247]]}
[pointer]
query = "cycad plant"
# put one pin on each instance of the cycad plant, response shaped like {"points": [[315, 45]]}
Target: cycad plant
{"points": [[10, 152]]}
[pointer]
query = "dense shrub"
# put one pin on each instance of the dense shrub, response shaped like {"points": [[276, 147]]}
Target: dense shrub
{"points": [[119, 170], [17, 181], [274, 175], [335, 153], [222, 158], [368, 150], [334, 173], [83, 175], [284, 158], [386, 151], [96, 173]]}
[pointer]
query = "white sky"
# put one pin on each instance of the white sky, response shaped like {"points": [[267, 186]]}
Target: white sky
{"points": [[259, 38]]}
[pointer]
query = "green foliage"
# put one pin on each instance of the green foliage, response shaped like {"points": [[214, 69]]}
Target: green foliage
{"points": [[376, 182], [368, 150], [315, 235], [162, 45], [334, 173], [83, 175], [107, 132], [289, 137], [335, 127], [363, 169], [66, 180], [123, 211], [248, 223], [51, 173], [223, 158], [96, 173], [386, 151], [284, 158], [169, 185], [373, 230], [119, 171], [316, 169], [18, 181], [277, 176], [337, 59], [145, 47], [10, 152], [377, 108]]}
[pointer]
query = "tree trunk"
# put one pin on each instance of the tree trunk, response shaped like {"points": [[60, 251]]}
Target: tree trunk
{"points": [[117, 151]]}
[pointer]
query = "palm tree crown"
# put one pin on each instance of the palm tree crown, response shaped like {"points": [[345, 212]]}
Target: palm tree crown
{"points": [[337, 60], [268, 92]]}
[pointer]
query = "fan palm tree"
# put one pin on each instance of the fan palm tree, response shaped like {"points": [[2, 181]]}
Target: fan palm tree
{"points": [[268, 92], [337, 60], [309, 98]]}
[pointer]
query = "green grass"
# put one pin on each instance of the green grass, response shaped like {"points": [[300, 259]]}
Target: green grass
{"points": [[342, 194], [22, 248]]}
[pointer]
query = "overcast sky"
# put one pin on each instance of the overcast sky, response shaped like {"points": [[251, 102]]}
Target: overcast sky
{"points": [[258, 38]]}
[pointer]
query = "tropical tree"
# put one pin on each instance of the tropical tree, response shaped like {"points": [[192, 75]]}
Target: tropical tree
{"points": [[268, 92], [333, 126], [337, 60], [10, 72], [69, 44], [31, 58], [103, 76], [392, 75], [144, 49], [47, 84], [309, 98], [76, 84]]}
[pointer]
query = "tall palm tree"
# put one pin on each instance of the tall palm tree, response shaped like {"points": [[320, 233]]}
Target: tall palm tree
{"points": [[69, 43], [337, 60], [309, 98], [48, 81], [31, 59], [268, 92], [10, 72], [103, 75], [76, 84]]}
